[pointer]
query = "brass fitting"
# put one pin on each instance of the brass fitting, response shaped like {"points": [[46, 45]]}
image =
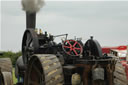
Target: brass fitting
{"points": [[40, 32]]}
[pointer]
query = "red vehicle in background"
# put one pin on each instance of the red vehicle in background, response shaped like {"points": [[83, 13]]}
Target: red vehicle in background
{"points": [[108, 49], [121, 68], [119, 51]]}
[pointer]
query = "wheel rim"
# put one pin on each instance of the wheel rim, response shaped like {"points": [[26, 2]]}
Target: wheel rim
{"points": [[29, 44], [72, 47], [35, 73]]}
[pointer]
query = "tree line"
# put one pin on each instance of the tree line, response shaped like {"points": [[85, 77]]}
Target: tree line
{"points": [[12, 55]]}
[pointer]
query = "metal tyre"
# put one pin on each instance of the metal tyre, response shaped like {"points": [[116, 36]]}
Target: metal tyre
{"points": [[44, 69], [6, 78], [6, 65], [120, 75]]}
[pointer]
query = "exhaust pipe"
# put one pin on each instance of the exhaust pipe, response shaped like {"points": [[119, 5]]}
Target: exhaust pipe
{"points": [[30, 20], [31, 7]]}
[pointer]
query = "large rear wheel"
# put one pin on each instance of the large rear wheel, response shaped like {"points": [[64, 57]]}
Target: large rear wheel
{"points": [[120, 75], [44, 69]]}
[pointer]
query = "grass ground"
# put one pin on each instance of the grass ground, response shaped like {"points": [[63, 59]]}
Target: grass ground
{"points": [[14, 78]]}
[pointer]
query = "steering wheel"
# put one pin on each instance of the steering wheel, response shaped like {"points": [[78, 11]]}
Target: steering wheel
{"points": [[72, 48]]}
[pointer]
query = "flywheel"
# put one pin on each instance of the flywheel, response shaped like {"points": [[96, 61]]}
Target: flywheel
{"points": [[44, 69], [30, 44]]}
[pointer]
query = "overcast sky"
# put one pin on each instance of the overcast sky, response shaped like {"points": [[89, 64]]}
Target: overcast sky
{"points": [[107, 21]]}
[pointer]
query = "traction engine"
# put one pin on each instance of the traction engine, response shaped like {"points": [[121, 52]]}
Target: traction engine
{"points": [[70, 62]]}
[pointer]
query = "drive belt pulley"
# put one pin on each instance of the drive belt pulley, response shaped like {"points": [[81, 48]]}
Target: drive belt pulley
{"points": [[44, 69]]}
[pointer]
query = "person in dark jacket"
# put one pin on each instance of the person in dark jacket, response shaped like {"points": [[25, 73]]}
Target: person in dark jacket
{"points": [[19, 69]]}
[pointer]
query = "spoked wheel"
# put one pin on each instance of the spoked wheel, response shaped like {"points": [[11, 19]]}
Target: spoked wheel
{"points": [[72, 47], [44, 70], [92, 47], [6, 78], [30, 44]]}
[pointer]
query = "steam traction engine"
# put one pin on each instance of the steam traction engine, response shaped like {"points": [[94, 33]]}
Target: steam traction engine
{"points": [[70, 62]]}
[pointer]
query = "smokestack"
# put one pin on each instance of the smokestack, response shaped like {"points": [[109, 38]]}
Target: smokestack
{"points": [[31, 7], [30, 20]]}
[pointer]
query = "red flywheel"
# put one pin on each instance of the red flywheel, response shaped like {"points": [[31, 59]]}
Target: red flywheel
{"points": [[72, 47]]}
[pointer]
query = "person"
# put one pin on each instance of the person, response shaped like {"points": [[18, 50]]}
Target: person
{"points": [[19, 70]]}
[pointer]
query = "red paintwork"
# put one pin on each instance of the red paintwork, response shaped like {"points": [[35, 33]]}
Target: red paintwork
{"points": [[73, 47], [107, 49], [123, 58], [124, 63]]}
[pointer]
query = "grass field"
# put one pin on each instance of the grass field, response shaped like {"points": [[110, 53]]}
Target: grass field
{"points": [[14, 78]]}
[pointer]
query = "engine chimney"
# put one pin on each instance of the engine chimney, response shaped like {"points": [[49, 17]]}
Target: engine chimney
{"points": [[31, 7], [30, 20]]}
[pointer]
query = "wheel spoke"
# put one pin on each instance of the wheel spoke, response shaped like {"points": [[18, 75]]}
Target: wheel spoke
{"points": [[75, 52], [69, 51], [29, 40], [74, 44], [67, 47], [69, 43], [28, 37], [77, 48]]}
